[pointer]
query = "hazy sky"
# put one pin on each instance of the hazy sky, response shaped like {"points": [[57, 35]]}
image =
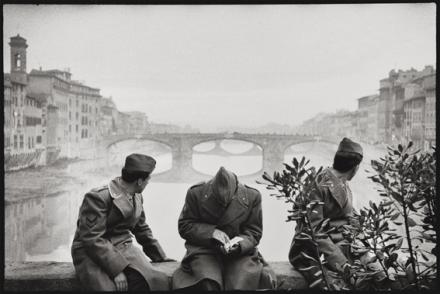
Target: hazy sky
{"points": [[212, 66]]}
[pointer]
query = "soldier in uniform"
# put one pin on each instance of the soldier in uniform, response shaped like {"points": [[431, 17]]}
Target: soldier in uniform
{"points": [[334, 191], [102, 251], [214, 213]]}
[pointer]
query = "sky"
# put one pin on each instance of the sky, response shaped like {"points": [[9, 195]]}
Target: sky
{"points": [[227, 65]]}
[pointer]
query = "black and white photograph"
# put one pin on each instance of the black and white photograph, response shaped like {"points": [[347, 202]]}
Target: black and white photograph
{"points": [[198, 147]]}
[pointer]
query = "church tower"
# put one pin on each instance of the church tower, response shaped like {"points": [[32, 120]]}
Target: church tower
{"points": [[18, 59]]}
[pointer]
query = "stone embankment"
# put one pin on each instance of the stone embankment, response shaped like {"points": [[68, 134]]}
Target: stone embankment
{"points": [[60, 276]]}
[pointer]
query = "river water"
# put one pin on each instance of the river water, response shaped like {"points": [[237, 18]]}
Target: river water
{"points": [[41, 227]]}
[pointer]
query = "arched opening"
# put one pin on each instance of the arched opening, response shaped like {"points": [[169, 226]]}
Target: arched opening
{"points": [[241, 157], [160, 152]]}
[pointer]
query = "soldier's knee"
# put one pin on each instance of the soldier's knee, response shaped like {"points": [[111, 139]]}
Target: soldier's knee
{"points": [[208, 285]]}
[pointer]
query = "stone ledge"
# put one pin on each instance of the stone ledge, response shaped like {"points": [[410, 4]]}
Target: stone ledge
{"points": [[60, 276]]}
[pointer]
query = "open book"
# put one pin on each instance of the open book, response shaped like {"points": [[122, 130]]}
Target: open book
{"points": [[232, 242]]}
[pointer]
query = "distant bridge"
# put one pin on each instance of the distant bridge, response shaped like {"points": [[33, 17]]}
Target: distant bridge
{"points": [[273, 147]]}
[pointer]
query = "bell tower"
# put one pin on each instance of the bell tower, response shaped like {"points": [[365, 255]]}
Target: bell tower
{"points": [[18, 59]]}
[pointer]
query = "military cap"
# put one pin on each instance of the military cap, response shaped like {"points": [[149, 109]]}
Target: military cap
{"points": [[347, 145], [224, 185], [139, 163]]}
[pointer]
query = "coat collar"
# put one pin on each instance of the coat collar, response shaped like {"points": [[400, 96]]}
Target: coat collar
{"points": [[336, 187], [122, 200], [222, 216]]}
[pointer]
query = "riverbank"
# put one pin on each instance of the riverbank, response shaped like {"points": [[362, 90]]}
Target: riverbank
{"points": [[42, 181]]}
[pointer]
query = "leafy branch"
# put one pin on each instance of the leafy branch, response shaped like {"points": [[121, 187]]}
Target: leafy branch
{"points": [[295, 184]]}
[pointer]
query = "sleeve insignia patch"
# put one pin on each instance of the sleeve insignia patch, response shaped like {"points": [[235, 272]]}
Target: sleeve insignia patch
{"points": [[91, 220]]}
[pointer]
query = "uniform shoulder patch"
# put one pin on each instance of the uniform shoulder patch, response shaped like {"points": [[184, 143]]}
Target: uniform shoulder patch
{"points": [[249, 187], [99, 189], [198, 184]]}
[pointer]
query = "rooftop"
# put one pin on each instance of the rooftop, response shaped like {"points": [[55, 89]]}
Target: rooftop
{"points": [[62, 75], [18, 41]]}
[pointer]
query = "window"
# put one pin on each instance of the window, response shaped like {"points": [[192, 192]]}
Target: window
{"points": [[38, 139], [15, 142], [21, 142], [18, 60], [70, 128], [70, 115], [76, 127]]}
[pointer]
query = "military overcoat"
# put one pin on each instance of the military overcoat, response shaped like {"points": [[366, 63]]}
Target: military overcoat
{"points": [[200, 216], [102, 246], [338, 207]]}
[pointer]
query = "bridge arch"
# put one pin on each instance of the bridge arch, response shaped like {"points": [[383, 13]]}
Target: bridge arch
{"points": [[273, 147], [255, 142], [156, 140]]}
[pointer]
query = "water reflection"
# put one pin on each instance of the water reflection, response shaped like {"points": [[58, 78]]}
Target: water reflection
{"points": [[42, 228]]}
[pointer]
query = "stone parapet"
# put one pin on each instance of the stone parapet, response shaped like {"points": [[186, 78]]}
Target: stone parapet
{"points": [[60, 276]]}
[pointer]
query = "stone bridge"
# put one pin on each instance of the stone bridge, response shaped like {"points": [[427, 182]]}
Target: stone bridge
{"points": [[273, 147]]}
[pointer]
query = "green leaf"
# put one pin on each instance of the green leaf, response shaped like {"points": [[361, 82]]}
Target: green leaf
{"points": [[302, 161], [398, 244], [307, 268], [318, 273], [411, 222], [380, 255], [425, 257], [387, 203], [305, 255], [394, 216], [373, 259], [295, 162], [303, 234], [315, 283]]}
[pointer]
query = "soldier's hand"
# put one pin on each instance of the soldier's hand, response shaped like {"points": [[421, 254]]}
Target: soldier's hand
{"points": [[220, 236], [235, 250], [121, 282]]}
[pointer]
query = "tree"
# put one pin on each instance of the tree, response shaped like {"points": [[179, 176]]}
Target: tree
{"points": [[407, 179]]}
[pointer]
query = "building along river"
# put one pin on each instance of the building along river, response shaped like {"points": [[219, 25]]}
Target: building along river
{"points": [[42, 204]]}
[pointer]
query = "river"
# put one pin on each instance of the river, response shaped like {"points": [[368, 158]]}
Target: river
{"points": [[42, 204]]}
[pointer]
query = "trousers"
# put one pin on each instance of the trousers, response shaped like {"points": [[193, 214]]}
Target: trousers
{"points": [[136, 281]]}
